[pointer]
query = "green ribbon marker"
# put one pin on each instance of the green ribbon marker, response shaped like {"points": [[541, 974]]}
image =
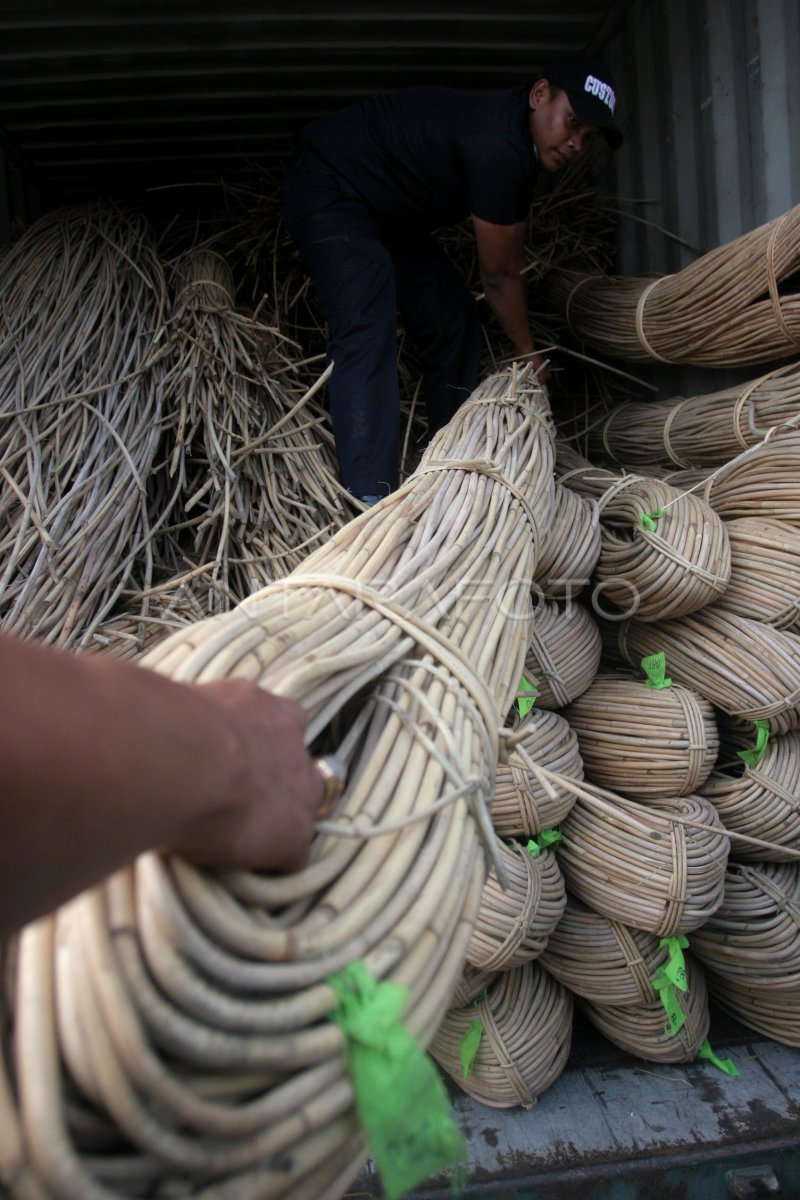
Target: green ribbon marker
{"points": [[547, 837], [754, 756], [675, 968], [648, 520], [468, 1046], [401, 1100], [725, 1064], [654, 667], [526, 696], [676, 1017]]}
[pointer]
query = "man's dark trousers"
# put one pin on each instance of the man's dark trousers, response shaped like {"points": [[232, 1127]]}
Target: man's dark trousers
{"points": [[364, 270]]}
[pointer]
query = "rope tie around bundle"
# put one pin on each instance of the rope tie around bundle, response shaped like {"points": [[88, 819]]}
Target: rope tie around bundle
{"points": [[525, 799], [403, 638], [745, 668], [603, 960], [515, 921], [724, 309], [526, 1019], [644, 742]]}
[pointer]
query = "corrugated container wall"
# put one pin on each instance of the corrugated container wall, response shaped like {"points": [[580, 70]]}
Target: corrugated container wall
{"points": [[710, 91]]}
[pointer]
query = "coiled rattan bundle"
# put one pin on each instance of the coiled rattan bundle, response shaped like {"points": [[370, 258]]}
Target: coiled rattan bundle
{"points": [[761, 482], [572, 547], [697, 431], [761, 802], [723, 309], [603, 960], [765, 572], [753, 939], [184, 1014], [643, 1030], [663, 552], [515, 921], [564, 652], [643, 741], [471, 984], [527, 1032], [524, 800], [746, 669], [660, 868], [771, 1015]]}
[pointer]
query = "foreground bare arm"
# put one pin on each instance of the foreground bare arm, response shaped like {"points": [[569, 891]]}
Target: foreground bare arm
{"points": [[501, 260], [101, 760]]}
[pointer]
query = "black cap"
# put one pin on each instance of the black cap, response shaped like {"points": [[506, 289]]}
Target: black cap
{"points": [[590, 88]]}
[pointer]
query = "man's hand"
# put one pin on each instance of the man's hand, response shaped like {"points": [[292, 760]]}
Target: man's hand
{"points": [[501, 260]]}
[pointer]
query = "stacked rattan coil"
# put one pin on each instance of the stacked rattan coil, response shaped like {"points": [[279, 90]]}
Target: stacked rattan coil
{"points": [[527, 1032], [697, 431], [761, 802], [515, 921], [525, 800], [664, 552], [603, 960], [724, 309], [185, 1015], [572, 548], [659, 868], [765, 581], [745, 668], [751, 948], [641, 1029], [564, 652], [471, 985], [644, 742], [763, 481]]}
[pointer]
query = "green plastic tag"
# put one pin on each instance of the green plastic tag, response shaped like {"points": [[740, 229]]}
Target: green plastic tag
{"points": [[468, 1046], [648, 520], [753, 757], [401, 1100], [667, 995], [725, 1064], [675, 968], [526, 696], [654, 667], [547, 837]]}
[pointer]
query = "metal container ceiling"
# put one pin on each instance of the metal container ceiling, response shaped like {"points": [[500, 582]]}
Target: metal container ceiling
{"points": [[116, 98]]}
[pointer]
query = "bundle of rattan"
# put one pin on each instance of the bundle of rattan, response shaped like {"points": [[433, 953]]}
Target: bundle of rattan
{"points": [[663, 552], [81, 375], [697, 431], [564, 652], [761, 482], [526, 801], [190, 1011], [250, 463], [771, 1015], [603, 960], [746, 669], [525, 1042], [753, 939], [643, 1030], [765, 572], [572, 547], [660, 868], [761, 802], [724, 309], [643, 741], [515, 921]]}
